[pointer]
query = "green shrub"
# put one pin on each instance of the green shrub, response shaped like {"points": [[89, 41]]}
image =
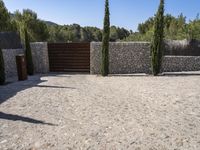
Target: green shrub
{"points": [[105, 42], [2, 69], [29, 60], [157, 42]]}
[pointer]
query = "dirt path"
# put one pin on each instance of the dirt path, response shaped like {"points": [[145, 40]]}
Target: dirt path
{"points": [[60, 112]]}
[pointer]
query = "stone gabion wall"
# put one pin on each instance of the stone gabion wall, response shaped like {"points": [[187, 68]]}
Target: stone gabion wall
{"points": [[134, 57], [40, 57], [181, 63], [9, 56], [125, 57]]}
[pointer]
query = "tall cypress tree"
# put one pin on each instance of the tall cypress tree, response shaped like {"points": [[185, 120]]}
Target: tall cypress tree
{"points": [[157, 42], [29, 60], [105, 41], [2, 69]]}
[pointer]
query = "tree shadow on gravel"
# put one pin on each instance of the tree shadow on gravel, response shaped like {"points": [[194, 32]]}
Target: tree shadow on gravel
{"points": [[54, 87], [10, 90], [11, 117]]}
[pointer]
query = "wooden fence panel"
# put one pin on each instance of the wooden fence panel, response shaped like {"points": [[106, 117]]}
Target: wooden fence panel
{"points": [[69, 57]]}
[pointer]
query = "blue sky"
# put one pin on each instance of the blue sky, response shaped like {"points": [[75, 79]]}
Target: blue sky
{"points": [[124, 13]]}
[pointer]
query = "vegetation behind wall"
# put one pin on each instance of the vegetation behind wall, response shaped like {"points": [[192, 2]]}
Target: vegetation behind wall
{"points": [[176, 28]]}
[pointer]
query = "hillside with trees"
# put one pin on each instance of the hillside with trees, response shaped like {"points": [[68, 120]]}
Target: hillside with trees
{"points": [[176, 28], [40, 30]]}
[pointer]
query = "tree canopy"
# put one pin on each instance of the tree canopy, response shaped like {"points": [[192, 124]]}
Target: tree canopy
{"points": [[36, 28], [5, 24], [176, 28]]}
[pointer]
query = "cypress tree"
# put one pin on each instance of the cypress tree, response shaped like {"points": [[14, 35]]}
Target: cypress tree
{"points": [[105, 41], [29, 61], [157, 42], [2, 69]]}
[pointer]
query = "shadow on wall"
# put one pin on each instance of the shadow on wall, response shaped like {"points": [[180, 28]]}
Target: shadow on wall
{"points": [[10, 90]]}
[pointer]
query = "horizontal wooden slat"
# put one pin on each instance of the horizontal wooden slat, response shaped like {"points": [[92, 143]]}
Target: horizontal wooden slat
{"points": [[63, 68], [70, 70], [71, 61], [69, 64], [67, 57], [68, 45], [68, 50], [70, 53], [70, 67]]}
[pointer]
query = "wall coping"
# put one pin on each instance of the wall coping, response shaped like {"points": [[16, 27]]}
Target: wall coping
{"points": [[39, 42], [181, 56], [123, 42]]}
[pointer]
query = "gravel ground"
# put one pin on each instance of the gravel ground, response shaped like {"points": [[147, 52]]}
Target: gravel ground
{"points": [[60, 112]]}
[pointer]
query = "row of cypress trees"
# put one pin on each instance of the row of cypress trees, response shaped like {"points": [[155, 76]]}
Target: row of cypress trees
{"points": [[156, 44]]}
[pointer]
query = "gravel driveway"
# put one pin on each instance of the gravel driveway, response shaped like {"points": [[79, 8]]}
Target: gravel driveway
{"points": [[60, 112]]}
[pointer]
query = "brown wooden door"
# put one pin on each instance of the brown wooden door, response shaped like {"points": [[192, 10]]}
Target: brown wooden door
{"points": [[69, 57]]}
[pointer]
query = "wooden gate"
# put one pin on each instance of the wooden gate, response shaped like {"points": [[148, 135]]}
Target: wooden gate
{"points": [[69, 57]]}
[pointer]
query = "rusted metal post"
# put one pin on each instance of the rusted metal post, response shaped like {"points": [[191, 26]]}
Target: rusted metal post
{"points": [[21, 67]]}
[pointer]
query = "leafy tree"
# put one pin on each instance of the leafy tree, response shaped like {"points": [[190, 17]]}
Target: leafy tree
{"points": [[84, 35], [54, 33], [157, 42], [168, 19], [175, 28], [36, 28], [2, 69], [114, 33], [117, 33], [4, 18], [29, 61], [105, 41], [140, 37], [123, 33], [194, 29], [146, 26], [93, 33], [172, 30], [74, 32]]}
